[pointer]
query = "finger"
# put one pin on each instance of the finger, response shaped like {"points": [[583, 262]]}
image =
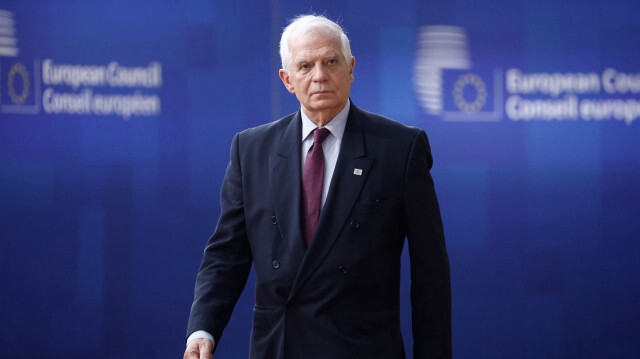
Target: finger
{"points": [[205, 350], [193, 350], [191, 353]]}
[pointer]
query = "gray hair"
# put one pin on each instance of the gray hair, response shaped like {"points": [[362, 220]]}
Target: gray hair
{"points": [[303, 24]]}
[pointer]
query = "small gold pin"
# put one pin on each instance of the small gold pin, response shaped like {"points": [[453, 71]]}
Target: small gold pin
{"points": [[357, 172]]}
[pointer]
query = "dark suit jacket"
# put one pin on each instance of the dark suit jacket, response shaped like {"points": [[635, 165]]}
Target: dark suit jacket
{"points": [[339, 298]]}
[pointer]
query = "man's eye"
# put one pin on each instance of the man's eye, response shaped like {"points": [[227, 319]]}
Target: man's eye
{"points": [[331, 62]]}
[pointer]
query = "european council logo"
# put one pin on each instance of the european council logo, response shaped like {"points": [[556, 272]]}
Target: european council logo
{"points": [[473, 96], [445, 83]]}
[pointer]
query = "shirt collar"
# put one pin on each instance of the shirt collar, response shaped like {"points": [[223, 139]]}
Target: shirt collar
{"points": [[335, 126]]}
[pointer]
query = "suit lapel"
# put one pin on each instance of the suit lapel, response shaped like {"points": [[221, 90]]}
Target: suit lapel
{"points": [[343, 192], [285, 187]]}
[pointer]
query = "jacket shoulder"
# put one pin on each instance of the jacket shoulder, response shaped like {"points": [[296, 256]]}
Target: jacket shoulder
{"points": [[274, 127], [383, 127]]}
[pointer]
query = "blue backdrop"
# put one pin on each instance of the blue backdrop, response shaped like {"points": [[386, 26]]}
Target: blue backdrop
{"points": [[115, 123]]}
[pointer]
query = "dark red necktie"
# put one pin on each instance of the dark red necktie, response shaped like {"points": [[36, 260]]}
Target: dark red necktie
{"points": [[312, 179]]}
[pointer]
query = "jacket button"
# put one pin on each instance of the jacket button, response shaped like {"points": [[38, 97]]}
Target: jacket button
{"points": [[343, 269], [355, 224], [273, 220], [276, 264], [291, 306]]}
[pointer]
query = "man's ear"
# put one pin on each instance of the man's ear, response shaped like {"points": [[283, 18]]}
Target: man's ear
{"points": [[285, 80], [352, 65]]}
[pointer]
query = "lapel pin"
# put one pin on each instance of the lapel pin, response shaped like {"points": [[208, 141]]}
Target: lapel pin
{"points": [[357, 172]]}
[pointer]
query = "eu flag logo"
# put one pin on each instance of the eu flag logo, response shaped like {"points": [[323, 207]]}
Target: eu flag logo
{"points": [[19, 86], [471, 95]]}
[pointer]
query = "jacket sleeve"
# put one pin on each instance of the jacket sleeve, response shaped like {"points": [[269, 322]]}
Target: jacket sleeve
{"points": [[227, 257], [430, 276]]}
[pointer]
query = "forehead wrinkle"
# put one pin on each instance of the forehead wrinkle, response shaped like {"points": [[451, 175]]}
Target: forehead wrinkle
{"points": [[313, 38], [304, 58]]}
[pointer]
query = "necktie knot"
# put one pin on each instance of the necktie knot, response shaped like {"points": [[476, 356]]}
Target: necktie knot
{"points": [[319, 134]]}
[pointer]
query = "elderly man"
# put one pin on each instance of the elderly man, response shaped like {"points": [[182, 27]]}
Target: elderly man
{"points": [[321, 202]]}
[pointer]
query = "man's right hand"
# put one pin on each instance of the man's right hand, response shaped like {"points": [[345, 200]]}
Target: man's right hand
{"points": [[199, 349]]}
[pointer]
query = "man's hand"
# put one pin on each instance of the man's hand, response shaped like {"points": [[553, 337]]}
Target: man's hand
{"points": [[199, 349]]}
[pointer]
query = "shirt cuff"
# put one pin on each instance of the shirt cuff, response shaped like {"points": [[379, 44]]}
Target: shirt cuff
{"points": [[201, 334]]}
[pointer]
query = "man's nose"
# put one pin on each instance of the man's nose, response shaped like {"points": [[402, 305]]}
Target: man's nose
{"points": [[319, 73]]}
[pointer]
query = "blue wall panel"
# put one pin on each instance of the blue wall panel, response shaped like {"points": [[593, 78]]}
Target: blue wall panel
{"points": [[103, 217]]}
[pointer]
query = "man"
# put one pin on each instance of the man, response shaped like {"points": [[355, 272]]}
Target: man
{"points": [[321, 202]]}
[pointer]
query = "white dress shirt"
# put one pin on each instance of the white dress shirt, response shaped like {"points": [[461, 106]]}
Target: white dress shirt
{"points": [[331, 149]]}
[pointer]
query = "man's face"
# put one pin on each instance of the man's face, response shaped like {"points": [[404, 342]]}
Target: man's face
{"points": [[319, 76]]}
